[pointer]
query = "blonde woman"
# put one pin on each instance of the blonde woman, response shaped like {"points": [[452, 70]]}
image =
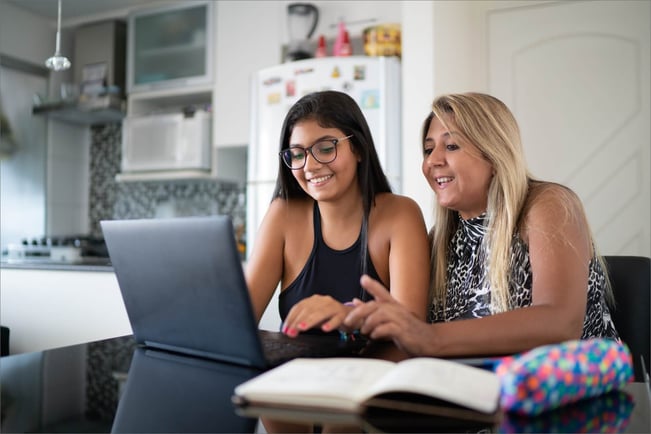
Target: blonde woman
{"points": [[512, 256]]}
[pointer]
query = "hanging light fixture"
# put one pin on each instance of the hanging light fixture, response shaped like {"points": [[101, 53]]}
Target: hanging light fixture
{"points": [[58, 62]]}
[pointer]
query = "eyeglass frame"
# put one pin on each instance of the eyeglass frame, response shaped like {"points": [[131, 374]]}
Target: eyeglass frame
{"points": [[307, 150]]}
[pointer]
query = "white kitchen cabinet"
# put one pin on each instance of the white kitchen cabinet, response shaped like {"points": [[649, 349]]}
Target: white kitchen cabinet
{"points": [[249, 37], [170, 46], [47, 309], [170, 67]]}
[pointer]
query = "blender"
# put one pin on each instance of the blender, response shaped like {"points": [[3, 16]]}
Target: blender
{"points": [[302, 19]]}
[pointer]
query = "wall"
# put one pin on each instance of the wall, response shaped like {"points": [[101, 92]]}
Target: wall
{"points": [[445, 49], [14, 21], [22, 173], [64, 201], [67, 179]]}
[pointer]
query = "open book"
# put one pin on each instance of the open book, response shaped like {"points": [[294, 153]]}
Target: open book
{"points": [[353, 385]]}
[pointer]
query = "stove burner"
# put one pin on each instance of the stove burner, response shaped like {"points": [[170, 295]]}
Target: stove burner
{"points": [[68, 249]]}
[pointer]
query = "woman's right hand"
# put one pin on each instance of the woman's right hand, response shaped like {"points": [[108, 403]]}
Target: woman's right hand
{"points": [[385, 318]]}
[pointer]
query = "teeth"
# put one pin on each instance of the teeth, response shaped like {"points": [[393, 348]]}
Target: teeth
{"points": [[444, 179], [320, 179]]}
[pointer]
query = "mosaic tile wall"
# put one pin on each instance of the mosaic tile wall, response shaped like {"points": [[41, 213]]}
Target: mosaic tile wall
{"points": [[126, 200]]}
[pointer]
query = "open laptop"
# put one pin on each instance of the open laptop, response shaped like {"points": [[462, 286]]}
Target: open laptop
{"points": [[184, 291]]}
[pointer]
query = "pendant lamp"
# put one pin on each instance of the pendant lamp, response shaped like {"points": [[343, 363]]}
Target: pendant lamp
{"points": [[58, 62]]}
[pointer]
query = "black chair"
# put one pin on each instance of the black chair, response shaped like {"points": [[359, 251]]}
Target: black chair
{"points": [[630, 277], [4, 341]]}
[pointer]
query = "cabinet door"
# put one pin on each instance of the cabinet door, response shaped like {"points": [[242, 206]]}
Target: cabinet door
{"points": [[170, 47], [248, 38]]}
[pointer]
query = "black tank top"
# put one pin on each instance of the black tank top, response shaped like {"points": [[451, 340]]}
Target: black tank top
{"points": [[328, 272]]}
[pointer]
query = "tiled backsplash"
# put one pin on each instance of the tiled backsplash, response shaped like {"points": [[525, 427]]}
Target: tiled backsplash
{"points": [[126, 200]]}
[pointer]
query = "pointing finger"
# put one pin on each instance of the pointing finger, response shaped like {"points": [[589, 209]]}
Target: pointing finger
{"points": [[375, 288]]}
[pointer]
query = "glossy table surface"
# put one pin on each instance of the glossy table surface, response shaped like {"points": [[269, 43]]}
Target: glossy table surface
{"points": [[167, 392], [173, 393], [625, 411]]}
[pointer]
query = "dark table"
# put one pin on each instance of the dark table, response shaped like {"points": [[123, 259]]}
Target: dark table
{"points": [[166, 392], [172, 393], [626, 411]]}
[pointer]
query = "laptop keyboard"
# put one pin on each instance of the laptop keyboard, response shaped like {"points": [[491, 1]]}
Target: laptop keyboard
{"points": [[279, 348]]}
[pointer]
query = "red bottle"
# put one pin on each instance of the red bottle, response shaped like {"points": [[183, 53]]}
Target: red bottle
{"points": [[346, 49], [321, 49]]}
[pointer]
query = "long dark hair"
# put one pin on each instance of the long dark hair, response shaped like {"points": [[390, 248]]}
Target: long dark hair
{"points": [[332, 109]]}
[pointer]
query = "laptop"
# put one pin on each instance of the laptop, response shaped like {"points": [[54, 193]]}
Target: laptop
{"points": [[184, 291]]}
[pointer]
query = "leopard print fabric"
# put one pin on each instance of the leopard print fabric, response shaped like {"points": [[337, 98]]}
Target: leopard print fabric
{"points": [[468, 292]]}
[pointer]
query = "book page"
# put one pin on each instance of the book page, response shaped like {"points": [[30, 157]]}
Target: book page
{"points": [[338, 382], [472, 387]]}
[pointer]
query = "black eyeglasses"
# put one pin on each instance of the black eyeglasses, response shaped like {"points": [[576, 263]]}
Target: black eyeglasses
{"points": [[323, 151]]}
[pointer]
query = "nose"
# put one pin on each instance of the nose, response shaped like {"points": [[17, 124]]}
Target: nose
{"points": [[310, 160], [435, 158]]}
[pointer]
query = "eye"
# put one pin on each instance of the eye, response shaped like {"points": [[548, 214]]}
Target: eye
{"points": [[325, 147], [427, 151], [296, 154], [451, 147]]}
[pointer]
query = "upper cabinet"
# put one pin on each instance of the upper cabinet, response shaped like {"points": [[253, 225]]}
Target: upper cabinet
{"points": [[170, 47], [249, 36]]}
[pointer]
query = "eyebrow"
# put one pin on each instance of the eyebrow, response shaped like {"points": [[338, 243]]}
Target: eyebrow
{"points": [[445, 135], [326, 137]]}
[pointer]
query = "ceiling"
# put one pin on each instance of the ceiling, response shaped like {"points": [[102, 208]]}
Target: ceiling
{"points": [[74, 11]]}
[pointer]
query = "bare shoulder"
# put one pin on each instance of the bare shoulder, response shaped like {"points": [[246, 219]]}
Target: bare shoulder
{"points": [[287, 213], [552, 207], [393, 209], [392, 203]]}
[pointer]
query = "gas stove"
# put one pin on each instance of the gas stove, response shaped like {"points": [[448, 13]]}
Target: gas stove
{"points": [[63, 249]]}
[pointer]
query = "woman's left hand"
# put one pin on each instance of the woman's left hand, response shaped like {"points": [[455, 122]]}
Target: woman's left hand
{"points": [[386, 318]]}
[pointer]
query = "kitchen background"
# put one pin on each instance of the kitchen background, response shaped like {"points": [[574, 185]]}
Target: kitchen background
{"points": [[569, 61], [47, 190]]}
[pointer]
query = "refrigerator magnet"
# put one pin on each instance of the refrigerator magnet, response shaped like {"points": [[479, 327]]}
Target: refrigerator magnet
{"points": [[290, 88], [271, 81], [359, 73], [370, 99], [273, 98]]}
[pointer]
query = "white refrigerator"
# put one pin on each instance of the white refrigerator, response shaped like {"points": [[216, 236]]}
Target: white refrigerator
{"points": [[374, 82]]}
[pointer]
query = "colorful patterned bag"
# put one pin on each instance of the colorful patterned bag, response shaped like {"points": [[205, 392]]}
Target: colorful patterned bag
{"points": [[550, 376]]}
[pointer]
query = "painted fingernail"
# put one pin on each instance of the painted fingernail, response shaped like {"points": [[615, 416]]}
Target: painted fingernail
{"points": [[302, 325], [326, 327], [292, 333]]}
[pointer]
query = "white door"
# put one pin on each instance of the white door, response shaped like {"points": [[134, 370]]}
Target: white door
{"points": [[576, 74]]}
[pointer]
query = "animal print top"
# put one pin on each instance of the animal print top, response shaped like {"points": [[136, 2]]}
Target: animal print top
{"points": [[468, 291]]}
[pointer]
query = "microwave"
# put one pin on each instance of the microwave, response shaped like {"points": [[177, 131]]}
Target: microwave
{"points": [[171, 141]]}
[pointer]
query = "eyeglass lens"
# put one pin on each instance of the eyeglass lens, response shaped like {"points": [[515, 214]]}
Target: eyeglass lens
{"points": [[324, 152]]}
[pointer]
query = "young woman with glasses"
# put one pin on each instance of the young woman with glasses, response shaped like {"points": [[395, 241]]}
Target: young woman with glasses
{"points": [[332, 219]]}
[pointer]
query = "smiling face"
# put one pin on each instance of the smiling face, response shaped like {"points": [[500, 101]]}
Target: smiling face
{"points": [[330, 181], [456, 170]]}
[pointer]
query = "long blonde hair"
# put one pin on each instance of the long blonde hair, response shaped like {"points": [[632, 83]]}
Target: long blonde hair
{"points": [[491, 127]]}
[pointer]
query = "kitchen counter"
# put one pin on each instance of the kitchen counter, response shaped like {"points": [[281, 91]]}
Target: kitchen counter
{"points": [[50, 305], [86, 264]]}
